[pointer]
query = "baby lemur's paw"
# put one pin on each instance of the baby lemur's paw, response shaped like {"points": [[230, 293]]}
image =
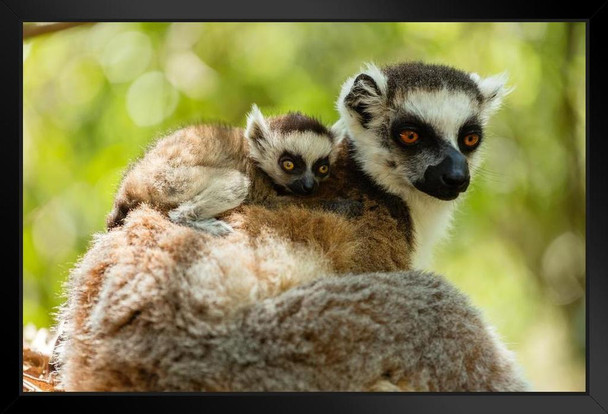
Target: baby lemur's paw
{"points": [[212, 226]]}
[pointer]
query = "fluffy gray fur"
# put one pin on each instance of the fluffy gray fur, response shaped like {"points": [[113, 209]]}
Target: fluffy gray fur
{"points": [[154, 306]]}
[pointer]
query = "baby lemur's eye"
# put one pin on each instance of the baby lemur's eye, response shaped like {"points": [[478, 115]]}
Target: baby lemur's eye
{"points": [[287, 165], [324, 169], [409, 136]]}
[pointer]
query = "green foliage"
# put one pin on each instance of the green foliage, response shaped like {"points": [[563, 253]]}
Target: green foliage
{"points": [[96, 96]]}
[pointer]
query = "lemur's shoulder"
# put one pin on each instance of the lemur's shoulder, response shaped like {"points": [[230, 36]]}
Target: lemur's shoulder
{"points": [[349, 181]]}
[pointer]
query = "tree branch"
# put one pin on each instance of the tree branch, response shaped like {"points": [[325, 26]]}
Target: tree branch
{"points": [[31, 30]]}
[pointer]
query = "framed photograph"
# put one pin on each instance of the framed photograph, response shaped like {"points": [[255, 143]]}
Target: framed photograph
{"points": [[447, 162]]}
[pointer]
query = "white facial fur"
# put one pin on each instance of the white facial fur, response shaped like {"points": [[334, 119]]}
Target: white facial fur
{"points": [[446, 111]]}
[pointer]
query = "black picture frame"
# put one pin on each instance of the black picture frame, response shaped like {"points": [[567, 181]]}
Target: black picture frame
{"points": [[13, 13]]}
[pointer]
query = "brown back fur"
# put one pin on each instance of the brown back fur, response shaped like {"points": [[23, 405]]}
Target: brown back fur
{"points": [[378, 238]]}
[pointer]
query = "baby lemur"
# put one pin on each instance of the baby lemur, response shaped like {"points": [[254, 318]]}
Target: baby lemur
{"points": [[201, 171]]}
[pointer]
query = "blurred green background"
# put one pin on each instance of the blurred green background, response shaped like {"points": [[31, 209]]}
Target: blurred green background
{"points": [[96, 95]]}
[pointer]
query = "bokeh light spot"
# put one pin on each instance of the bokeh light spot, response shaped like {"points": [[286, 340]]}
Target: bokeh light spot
{"points": [[151, 98], [81, 81], [190, 74], [126, 56], [54, 231]]}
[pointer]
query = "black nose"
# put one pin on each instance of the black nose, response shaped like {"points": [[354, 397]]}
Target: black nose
{"points": [[447, 179], [456, 178], [454, 171], [303, 191], [304, 186], [308, 186]]}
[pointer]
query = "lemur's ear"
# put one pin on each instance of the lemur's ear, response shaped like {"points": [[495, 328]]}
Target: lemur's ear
{"points": [[338, 131], [364, 95], [493, 89], [257, 128]]}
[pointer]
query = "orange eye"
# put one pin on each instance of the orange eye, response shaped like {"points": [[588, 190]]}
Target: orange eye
{"points": [[409, 137], [471, 140], [288, 165], [323, 169]]}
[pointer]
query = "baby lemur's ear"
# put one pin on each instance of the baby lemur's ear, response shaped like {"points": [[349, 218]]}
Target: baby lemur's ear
{"points": [[257, 130], [338, 132], [493, 89], [364, 95]]}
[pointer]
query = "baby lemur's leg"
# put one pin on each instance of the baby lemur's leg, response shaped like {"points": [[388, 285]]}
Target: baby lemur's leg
{"points": [[190, 193], [222, 190]]}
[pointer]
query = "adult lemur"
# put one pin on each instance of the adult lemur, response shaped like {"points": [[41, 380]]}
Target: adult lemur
{"points": [[415, 130], [158, 306], [200, 171]]}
